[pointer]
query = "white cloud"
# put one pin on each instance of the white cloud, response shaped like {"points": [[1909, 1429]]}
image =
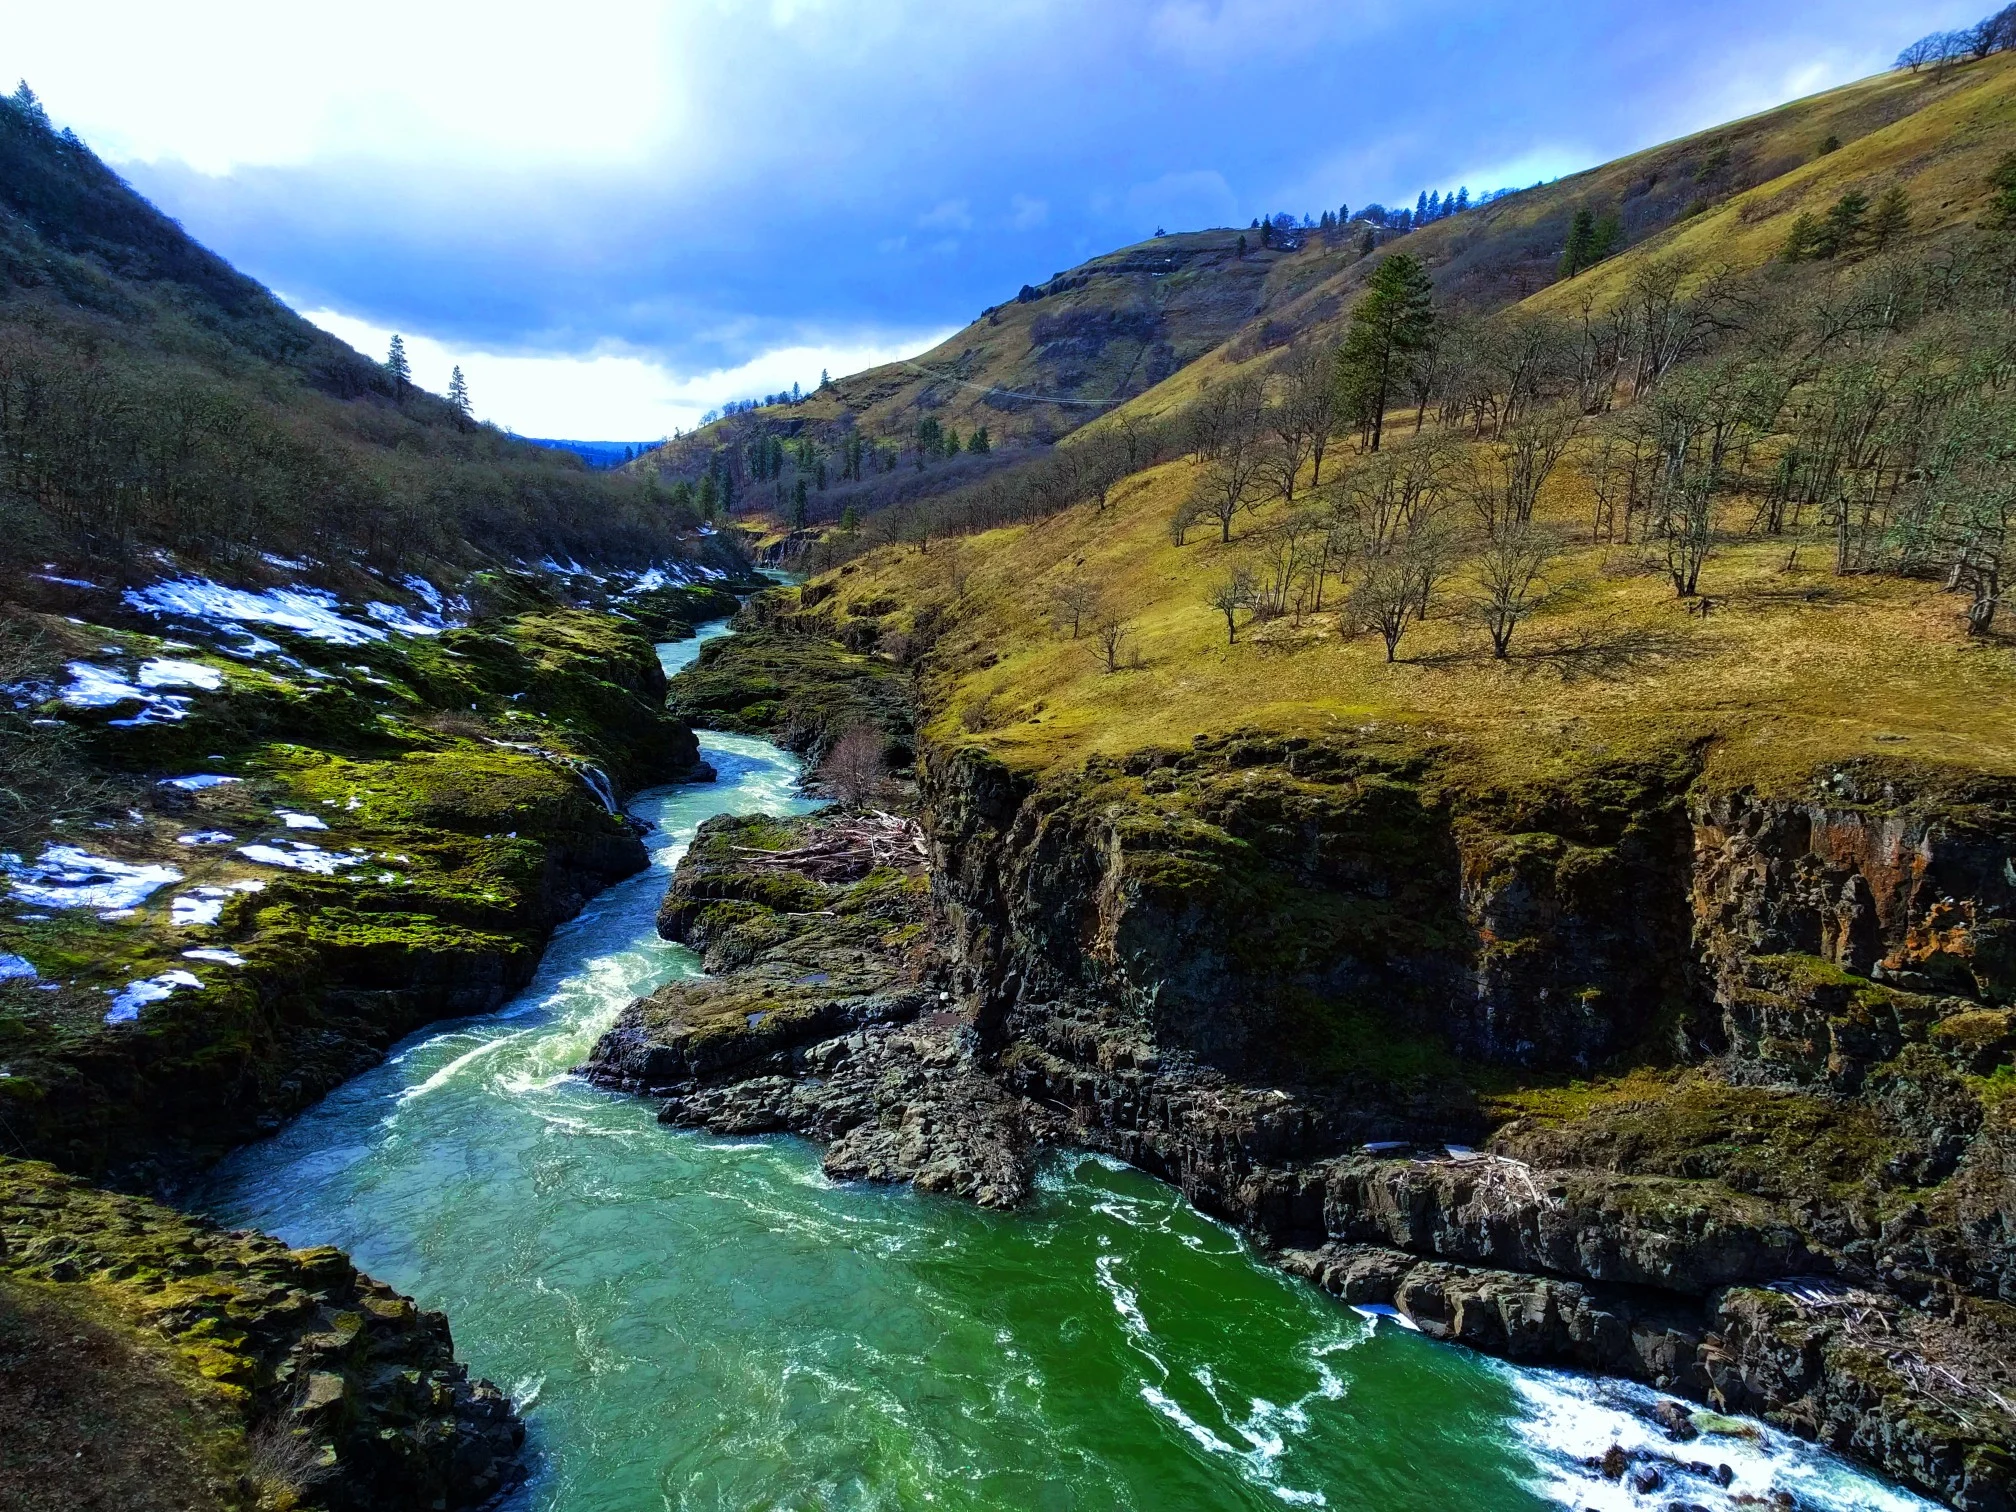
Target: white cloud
{"points": [[1026, 213], [952, 215], [612, 395], [221, 84]]}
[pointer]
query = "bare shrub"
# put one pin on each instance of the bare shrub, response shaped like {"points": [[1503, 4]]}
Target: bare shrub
{"points": [[854, 769]]}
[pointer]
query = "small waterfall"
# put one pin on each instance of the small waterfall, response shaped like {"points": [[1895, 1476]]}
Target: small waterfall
{"points": [[598, 783]]}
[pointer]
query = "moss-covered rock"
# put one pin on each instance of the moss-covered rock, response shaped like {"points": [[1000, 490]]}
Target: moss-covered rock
{"points": [[305, 1382], [801, 691]]}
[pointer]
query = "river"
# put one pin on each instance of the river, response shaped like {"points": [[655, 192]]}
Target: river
{"points": [[694, 1322]]}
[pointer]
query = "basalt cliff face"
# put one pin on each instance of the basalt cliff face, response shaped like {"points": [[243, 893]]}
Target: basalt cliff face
{"points": [[1632, 1072]]}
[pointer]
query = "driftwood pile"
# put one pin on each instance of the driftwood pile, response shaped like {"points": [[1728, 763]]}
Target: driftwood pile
{"points": [[846, 847]]}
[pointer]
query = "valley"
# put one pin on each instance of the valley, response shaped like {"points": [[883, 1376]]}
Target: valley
{"points": [[1363, 868]]}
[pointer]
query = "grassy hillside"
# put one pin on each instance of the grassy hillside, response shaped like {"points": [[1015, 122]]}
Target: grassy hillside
{"points": [[1724, 197], [1790, 669], [1852, 501], [152, 397]]}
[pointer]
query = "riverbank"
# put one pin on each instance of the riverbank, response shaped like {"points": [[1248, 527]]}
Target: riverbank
{"points": [[271, 854]]}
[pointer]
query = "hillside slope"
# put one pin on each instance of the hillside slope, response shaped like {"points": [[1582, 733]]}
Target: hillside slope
{"points": [[153, 397], [1722, 197]]}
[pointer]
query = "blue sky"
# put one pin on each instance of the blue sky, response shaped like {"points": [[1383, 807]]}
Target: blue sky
{"points": [[616, 215]]}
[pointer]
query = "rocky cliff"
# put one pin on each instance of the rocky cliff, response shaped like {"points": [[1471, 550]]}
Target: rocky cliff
{"points": [[1631, 1070]]}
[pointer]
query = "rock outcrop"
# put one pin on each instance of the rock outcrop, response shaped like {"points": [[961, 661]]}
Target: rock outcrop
{"points": [[337, 1392], [1341, 991]]}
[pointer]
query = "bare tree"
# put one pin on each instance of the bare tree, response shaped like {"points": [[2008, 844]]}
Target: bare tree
{"points": [[1231, 482], [1185, 515], [1230, 594], [1074, 601], [854, 769], [1505, 479], [1310, 392], [1510, 575], [1383, 597], [1111, 633]]}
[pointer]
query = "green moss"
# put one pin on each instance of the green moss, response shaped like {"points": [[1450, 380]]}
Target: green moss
{"points": [[801, 690]]}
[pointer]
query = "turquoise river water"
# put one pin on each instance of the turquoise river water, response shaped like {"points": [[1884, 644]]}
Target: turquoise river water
{"points": [[704, 1323]]}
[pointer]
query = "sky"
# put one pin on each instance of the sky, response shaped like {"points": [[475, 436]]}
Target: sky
{"points": [[615, 215]]}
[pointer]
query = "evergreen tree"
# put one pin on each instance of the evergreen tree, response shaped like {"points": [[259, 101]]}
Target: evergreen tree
{"points": [[1891, 217], [978, 442], [1842, 230], [1609, 237], [458, 394], [1267, 232], [951, 442], [1391, 323], [1462, 198], [1242, 243], [397, 368], [1366, 242], [1800, 240], [1421, 208], [796, 397], [850, 521], [798, 512], [1343, 215], [25, 101], [704, 497], [1579, 253], [825, 379]]}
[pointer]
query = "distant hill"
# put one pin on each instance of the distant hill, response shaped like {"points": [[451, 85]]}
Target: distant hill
{"points": [[597, 454], [154, 400], [1148, 325]]}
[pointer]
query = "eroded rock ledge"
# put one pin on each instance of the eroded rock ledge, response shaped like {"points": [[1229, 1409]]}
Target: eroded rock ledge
{"points": [[342, 1393]]}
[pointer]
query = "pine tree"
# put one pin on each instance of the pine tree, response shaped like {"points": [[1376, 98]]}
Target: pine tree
{"points": [[1462, 198], [1242, 243], [1842, 230], [979, 443], [1267, 232], [1800, 240], [798, 512], [397, 368], [1343, 215], [1609, 237], [951, 442], [458, 397], [1580, 250], [1891, 218], [1421, 208], [850, 521], [1393, 322]]}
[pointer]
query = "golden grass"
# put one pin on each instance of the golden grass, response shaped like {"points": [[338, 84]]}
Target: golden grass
{"points": [[1793, 669]]}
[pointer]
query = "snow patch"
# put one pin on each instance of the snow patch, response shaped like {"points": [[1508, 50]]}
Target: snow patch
{"points": [[306, 611], [126, 1005], [211, 953], [303, 857], [64, 876], [168, 672], [205, 905], [197, 783], [298, 821], [206, 837], [14, 968]]}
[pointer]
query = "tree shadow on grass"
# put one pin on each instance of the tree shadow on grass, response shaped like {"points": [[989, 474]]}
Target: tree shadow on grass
{"points": [[1597, 652]]}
